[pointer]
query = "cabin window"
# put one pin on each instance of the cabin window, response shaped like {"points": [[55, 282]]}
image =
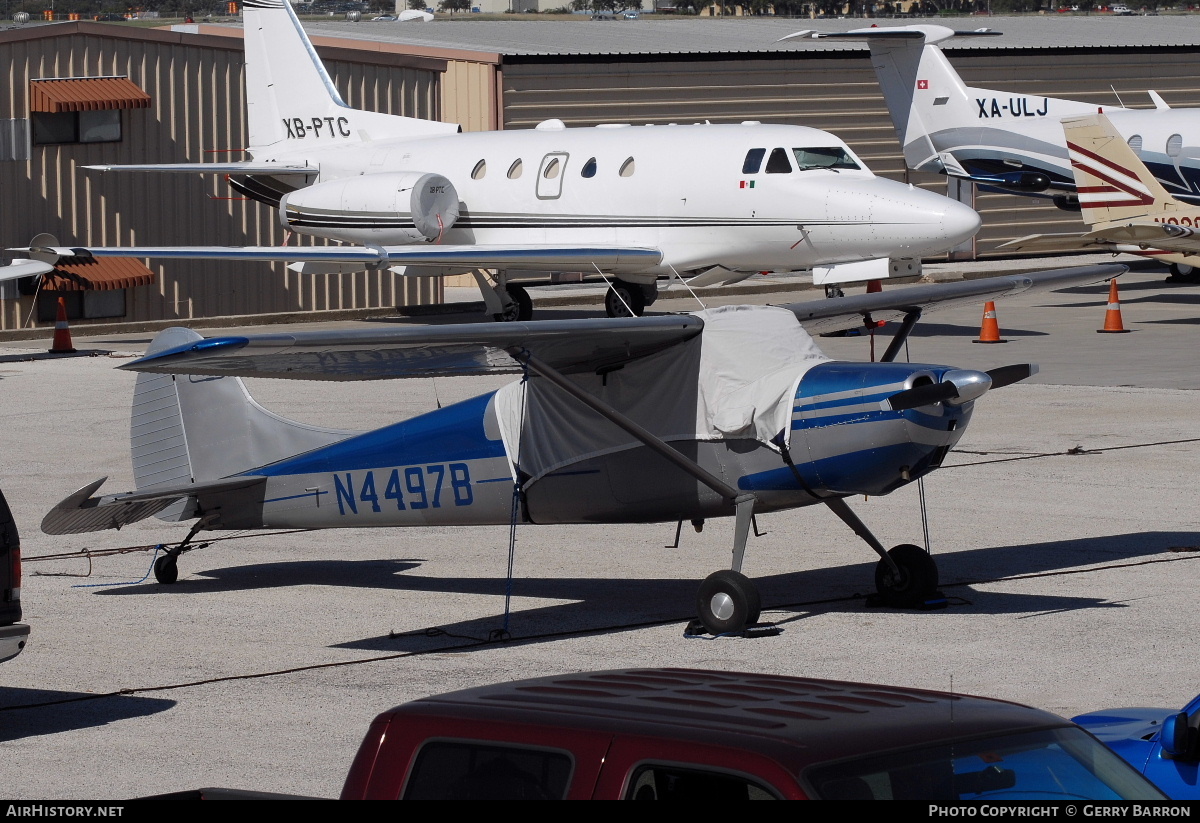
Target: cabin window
{"points": [[1174, 145], [778, 162], [589, 168], [1135, 143], [479, 171], [514, 171], [831, 157], [753, 161], [552, 169], [628, 168]]}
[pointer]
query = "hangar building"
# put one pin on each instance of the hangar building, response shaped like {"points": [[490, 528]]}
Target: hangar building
{"points": [[84, 93]]}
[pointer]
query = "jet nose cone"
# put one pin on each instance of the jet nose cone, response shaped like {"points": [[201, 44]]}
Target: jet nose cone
{"points": [[959, 222]]}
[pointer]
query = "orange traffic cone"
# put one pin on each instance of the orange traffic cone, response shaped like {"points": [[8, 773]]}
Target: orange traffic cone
{"points": [[1112, 317], [874, 286], [62, 332], [989, 331]]}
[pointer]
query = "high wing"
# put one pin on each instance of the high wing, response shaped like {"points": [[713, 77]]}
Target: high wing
{"points": [[24, 268], [212, 168], [532, 257], [567, 345]]}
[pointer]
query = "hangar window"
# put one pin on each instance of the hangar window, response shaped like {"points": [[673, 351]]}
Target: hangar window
{"points": [[589, 168], [753, 161], [832, 157], [628, 168], [1135, 142], [514, 171], [81, 109], [778, 162], [552, 169], [1174, 145], [479, 171]]}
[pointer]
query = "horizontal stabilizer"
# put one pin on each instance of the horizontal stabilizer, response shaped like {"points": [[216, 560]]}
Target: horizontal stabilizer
{"points": [[426, 351], [529, 257], [212, 168], [80, 512], [916, 34]]}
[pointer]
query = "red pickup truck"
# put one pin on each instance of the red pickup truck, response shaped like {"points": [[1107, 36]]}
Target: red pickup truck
{"points": [[658, 734]]}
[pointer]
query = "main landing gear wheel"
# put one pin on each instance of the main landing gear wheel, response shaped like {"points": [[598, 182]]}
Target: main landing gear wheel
{"points": [[521, 307], [727, 602], [917, 582], [1183, 273], [166, 569], [623, 298]]}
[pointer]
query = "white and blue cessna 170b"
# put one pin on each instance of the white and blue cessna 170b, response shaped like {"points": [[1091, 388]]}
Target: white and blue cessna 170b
{"points": [[727, 412], [1003, 140], [715, 203]]}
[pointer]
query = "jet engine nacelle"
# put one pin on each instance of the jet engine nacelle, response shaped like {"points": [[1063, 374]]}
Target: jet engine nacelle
{"points": [[389, 209]]}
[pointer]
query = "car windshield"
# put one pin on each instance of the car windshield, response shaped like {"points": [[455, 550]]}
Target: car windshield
{"points": [[832, 157], [1052, 764]]}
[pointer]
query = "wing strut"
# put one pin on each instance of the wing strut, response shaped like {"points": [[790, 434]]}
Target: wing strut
{"points": [[910, 319], [743, 503]]}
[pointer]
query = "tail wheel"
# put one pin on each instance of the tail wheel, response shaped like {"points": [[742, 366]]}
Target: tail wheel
{"points": [[916, 582], [728, 601], [624, 300]]}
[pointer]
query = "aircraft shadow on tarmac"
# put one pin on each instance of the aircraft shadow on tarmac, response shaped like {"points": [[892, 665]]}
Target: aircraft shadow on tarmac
{"points": [[610, 604], [16, 723]]}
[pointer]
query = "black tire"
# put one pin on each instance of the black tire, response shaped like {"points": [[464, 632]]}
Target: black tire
{"points": [[630, 293], [918, 579], [728, 601], [166, 570], [1183, 273], [521, 307]]}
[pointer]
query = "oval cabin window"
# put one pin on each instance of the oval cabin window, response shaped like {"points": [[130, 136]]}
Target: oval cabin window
{"points": [[514, 171], [552, 169], [628, 168], [479, 171], [1135, 143], [1174, 145], [589, 168]]}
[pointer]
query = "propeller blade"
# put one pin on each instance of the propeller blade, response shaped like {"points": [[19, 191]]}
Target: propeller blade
{"points": [[1007, 375], [920, 396]]}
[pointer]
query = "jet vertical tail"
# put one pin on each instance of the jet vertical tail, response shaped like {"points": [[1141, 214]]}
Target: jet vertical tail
{"points": [[1112, 181], [291, 101]]}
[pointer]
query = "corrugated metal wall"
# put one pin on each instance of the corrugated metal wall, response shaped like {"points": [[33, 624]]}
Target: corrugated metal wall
{"points": [[838, 94], [198, 114]]}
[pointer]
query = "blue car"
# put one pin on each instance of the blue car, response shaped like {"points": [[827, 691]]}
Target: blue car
{"points": [[1162, 744]]}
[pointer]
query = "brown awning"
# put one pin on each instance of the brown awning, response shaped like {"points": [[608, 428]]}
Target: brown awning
{"points": [[99, 273], [86, 94]]}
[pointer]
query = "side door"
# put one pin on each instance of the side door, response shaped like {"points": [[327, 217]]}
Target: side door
{"points": [[551, 172]]}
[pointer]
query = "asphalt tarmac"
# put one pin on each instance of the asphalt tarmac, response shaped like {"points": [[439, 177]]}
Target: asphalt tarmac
{"points": [[1064, 525]]}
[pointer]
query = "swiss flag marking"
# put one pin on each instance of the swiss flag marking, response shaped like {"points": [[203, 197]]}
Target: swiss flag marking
{"points": [[922, 84]]}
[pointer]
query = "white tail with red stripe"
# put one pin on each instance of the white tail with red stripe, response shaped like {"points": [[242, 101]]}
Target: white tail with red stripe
{"points": [[1113, 183]]}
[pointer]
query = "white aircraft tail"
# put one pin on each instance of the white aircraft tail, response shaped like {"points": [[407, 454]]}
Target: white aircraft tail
{"points": [[1112, 181], [191, 429], [291, 100]]}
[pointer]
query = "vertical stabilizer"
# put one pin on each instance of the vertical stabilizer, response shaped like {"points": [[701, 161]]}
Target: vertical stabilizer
{"points": [[291, 100], [1113, 183], [190, 429]]}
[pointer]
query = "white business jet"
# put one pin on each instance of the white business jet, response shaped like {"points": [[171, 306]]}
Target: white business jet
{"points": [[711, 203]]}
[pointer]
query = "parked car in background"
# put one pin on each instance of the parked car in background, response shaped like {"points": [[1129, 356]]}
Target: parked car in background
{"points": [[683, 734], [1162, 744], [13, 633]]}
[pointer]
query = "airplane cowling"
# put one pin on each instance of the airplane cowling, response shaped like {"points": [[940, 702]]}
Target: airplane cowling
{"points": [[390, 208]]}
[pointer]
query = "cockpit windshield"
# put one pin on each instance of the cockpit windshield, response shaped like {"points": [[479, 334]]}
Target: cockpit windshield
{"points": [[831, 157]]}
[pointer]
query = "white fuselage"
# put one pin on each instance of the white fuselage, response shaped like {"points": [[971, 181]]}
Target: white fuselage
{"points": [[682, 189]]}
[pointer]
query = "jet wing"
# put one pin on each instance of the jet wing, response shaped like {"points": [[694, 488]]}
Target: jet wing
{"points": [[531, 257], [1044, 242], [80, 512], [24, 268], [1161, 236], [823, 316], [212, 168], [567, 345], [427, 351]]}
